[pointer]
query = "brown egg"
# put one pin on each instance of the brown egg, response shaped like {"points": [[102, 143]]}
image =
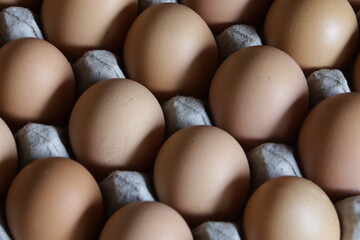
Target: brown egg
{"points": [[54, 198], [259, 94], [146, 220], [220, 15], [76, 26], [203, 173], [328, 145], [8, 158], [33, 5], [36, 84], [290, 207], [116, 124], [317, 34], [170, 50]]}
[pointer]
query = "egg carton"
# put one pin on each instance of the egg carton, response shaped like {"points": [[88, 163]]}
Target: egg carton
{"points": [[120, 188]]}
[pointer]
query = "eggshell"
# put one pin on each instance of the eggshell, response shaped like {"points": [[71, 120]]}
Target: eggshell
{"points": [[220, 15], [54, 198], [202, 172], [36, 84], [317, 34], [116, 124], [8, 158], [290, 208], [77, 26], [328, 145], [170, 50], [146, 220], [255, 98]]}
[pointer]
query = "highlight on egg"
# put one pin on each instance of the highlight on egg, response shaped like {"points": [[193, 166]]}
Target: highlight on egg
{"points": [[317, 34]]}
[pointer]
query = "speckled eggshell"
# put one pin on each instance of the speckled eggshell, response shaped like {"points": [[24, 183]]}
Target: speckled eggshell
{"points": [[259, 94], [146, 220], [116, 124], [36, 84], [220, 15], [77, 26], [328, 145], [54, 198], [8, 158], [203, 173], [170, 50], [317, 34], [290, 207]]}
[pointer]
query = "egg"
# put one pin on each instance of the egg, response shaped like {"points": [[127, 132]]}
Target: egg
{"points": [[290, 207], [203, 173], [54, 198], [170, 50], [36, 84], [77, 26], [146, 220], [116, 124], [317, 34], [8, 158], [220, 15], [328, 145], [255, 98]]}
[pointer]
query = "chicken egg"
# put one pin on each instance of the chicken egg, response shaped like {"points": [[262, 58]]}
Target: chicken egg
{"points": [[116, 124], [77, 26], [317, 34], [328, 145], [8, 158], [290, 207], [146, 220], [255, 98], [171, 51], [37, 84], [54, 198], [203, 173]]}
